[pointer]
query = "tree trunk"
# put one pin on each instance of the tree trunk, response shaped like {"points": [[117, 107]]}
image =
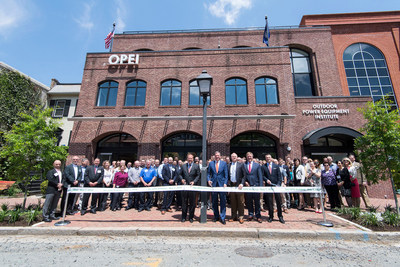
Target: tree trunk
{"points": [[394, 192], [25, 195]]}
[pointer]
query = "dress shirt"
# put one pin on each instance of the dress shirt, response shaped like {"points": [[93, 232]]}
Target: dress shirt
{"points": [[75, 171], [134, 175], [82, 179], [233, 172], [159, 171]]}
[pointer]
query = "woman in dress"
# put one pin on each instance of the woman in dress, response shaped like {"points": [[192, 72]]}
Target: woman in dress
{"points": [[314, 174], [299, 178], [120, 180], [344, 183], [355, 188], [107, 182]]}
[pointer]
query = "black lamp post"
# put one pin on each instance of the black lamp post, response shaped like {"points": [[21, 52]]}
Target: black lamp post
{"points": [[204, 81]]}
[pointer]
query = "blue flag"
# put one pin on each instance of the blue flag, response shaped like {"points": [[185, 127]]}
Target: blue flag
{"points": [[267, 34]]}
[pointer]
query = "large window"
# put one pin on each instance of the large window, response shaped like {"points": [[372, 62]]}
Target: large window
{"points": [[194, 95], [171, 93], [236, 92], [135, 93], [266, 91], [302, 74], [107, 95], [367, 73], [178, 145], [259, 144]]}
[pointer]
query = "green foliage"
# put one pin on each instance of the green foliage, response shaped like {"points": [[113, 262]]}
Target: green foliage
{"points": [[18, 207], [3, 215], [43, 187], [379, 147], [13, 190], [372, 208], [18, 94], [354, 212], [389, 209], [370, 219], [391, 218], [30, 146], [32, 215], [4, 206], [14, 215]]}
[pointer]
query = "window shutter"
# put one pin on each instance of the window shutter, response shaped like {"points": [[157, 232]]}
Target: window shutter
{"points": [[66, 108], [52, 103]]}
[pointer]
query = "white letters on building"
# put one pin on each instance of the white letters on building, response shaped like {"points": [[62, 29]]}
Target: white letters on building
{"points": [[131, 59]]}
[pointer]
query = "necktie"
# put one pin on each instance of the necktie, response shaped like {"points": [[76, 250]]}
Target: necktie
{"points": [[249, 167], [216, 166], [270, 168]]}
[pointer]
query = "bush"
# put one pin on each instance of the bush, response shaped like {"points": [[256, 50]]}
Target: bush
{"points": [[13, 190], [32, 216], [391, 218], [3, 215], [4, 206], [353, 212], [14, 216], [369, 219], [43, 187], [372, 209]]}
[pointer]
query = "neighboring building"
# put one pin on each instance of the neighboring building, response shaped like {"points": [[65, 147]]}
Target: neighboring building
{"points": [[43, 88], [289, 99], [63, 98]]}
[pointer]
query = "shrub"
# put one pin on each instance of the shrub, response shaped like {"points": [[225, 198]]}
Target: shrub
{"points": [[18, 207], [355, 213], [344, 211], [369, 219], [4, 206], [32, 216], [3, 215], [372, 209], [389, 209], [43, 187], [13, 190], [391, 218], [14, 216]]}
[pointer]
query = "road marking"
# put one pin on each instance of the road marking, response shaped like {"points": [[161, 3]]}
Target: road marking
{"points": [[365, 234], [337, 234], [154, 262]]}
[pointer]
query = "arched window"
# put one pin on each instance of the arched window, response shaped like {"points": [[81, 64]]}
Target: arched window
{"points": [[178, 145], [236, 92], [194, 95], [367, 73], [302, 73], [171, 93], [259, 144], [135, 93], [107, 95], [117, 146], [266, 91]]}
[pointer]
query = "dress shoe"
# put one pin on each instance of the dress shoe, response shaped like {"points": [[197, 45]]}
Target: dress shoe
{"points": [[169, 210], [93, 211], [140, 210], [70, 213], [233, 220], [259, 220], [127, 208], [270, 219], [250, 218], [148, 209], [83, 212], [214, 220], [54, 218], [241, 221], [223, 222], [47, 220], [191, 220], [282, 220], [163, 212], [183, 220]]}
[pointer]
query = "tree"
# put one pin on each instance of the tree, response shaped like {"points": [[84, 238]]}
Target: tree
{"points": [[30, 147], [18, 94], [379, 148]]}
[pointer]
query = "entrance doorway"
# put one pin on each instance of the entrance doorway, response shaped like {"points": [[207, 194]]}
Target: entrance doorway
{"points": [[120, 146], [257, 143], [180, 144]]}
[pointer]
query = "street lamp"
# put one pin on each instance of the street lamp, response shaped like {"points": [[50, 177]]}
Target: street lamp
{"points": [[204, 81]]}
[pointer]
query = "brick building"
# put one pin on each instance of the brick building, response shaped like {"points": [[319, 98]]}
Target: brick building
{"points": [[299, 96]]}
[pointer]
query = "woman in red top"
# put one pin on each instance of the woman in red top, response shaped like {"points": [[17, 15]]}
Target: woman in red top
{"points": [[355, 189], [120, 180]]}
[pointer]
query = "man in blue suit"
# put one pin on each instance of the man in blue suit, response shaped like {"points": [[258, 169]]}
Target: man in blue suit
{"points": [[218, 177]]}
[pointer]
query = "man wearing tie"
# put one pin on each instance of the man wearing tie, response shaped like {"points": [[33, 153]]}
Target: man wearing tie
{"points": [[72, 173], [218, 177], [190, 175], [53, 192], [237, 199], [272, 177], [252, 176], [168, 174], [93, 178]]}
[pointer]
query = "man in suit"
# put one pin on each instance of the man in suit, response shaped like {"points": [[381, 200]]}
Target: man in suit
{"points": [[53, 192], [93, 178], [237, 199], [252, 176], [189, 175], [72, 173], [272, 176], [169, 176], [218, 177]]}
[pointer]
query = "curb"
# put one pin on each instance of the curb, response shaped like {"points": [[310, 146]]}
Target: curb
{"points": [[323, 235]]}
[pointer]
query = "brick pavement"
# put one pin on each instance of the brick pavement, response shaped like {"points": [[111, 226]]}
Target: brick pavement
{"points": [[295, 220]]}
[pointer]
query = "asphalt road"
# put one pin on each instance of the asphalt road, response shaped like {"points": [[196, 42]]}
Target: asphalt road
{"points": [[166, 251]]}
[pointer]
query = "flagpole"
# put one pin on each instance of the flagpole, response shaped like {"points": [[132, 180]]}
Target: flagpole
{"points": [[112, 40]]}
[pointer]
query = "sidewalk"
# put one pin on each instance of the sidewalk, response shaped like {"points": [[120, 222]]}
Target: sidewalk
{"points": [[301, 223]]}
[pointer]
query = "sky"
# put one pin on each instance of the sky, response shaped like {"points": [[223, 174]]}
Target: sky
{"points": [[50, 39]]}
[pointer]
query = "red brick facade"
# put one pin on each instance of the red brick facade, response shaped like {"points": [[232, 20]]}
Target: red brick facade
{"points": [[224, 54]]}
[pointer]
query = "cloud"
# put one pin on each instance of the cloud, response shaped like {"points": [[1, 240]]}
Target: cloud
{"points": [[85, 21], [12, 14], [229, 9], [121, 15]]}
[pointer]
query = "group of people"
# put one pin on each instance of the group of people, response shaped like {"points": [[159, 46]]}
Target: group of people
{"points": [[342, 179]]}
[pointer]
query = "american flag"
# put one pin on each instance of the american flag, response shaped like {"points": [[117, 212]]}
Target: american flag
{"points": [[109, 38]]}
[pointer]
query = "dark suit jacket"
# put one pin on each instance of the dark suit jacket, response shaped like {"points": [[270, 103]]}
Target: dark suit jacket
{"points": [[52, 177], [91, 176], [192, 176], [239, 173], [166, 173], [275, 176], [255, 177], [220, 178], [69, 175]]}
